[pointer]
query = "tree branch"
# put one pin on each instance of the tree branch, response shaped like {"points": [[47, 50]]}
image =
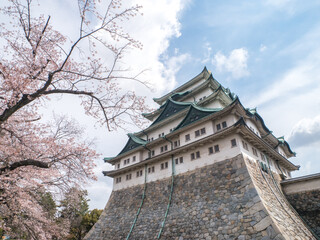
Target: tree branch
{"points": [[24, 163]]}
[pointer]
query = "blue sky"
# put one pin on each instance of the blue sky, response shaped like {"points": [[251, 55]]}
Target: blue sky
{"points": [[267, 52]]}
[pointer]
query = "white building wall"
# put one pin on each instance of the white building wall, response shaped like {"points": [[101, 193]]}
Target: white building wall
{"points": [[160, 173], [252, 126], [230, 120], [199, 95], [129, 183], [209, 131], [137, 155], [272, 163], [195, 85], [210, 128], [214, 104], [164, 129], [281, 151], [225, 152]]}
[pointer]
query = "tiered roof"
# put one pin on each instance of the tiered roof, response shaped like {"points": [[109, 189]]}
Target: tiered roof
{"points": [[194, 114]]}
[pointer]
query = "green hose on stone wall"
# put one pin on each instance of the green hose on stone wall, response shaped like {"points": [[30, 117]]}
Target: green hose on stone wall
{"points": [[292, 208], [170, 197], [142, 200]]}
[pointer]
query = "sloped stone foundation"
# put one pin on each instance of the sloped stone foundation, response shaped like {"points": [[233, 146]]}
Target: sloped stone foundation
{"points": [[231, 199], [307, 204]]}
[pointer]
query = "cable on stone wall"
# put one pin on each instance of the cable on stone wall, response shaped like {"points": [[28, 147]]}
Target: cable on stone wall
{"points": [[142, 200], [170, 197]]}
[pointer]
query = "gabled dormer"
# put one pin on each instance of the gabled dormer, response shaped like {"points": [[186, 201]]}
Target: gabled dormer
{"points": [[132, 143], [170, 108], [196, 113], [219, 98]]}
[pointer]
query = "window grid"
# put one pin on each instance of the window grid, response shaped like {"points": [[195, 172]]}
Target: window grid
{"points": [[233, 143], [187, 137], [195, 155]]}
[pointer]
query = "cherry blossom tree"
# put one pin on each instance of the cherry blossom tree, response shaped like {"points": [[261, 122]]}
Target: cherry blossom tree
{"points": [[36, 63]]}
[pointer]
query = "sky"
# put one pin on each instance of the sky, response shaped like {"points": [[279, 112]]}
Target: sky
{"points": [[266, 52]]}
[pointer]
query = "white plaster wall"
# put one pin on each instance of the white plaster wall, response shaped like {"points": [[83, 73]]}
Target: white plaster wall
{"points": [[209, 125], [226, 151], [158, 173], [129, 183], [281, 151], [303, 186], [251, 156], [138, 159], [164, 129], [214, 104], [209, 131], [145, 153], [230, 120], [251, 124], [195, 85], [195, 97]]}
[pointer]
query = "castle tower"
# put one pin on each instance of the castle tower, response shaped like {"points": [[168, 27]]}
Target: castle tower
{"points": [[205, 168]]}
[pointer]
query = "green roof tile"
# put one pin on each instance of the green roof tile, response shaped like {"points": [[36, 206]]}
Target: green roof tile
{"points": [[196, 113], [169, 108], [133, 142]]}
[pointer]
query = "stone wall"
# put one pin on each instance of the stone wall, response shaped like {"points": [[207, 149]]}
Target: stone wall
{"points": [[220, 201], [307, 204], [279, 209]]}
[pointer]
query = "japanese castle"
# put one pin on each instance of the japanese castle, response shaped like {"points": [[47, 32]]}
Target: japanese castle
{"points": [[207, 168], [197, 124]]}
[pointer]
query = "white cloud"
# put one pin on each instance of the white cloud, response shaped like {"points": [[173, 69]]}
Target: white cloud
{"points": [[171, 67], [306, 131], [207, 54], [278, 3], [262, 48], [158, 25], [302, 78], [235, 63]]}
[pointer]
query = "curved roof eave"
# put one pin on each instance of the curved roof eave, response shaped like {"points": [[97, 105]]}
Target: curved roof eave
{"points": [[182, 87], [242, 122], [219, 92], [281, 140], [150, 115], [181, 105], [209, 81], [132, 143], [205, 112], [267, 133]]}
